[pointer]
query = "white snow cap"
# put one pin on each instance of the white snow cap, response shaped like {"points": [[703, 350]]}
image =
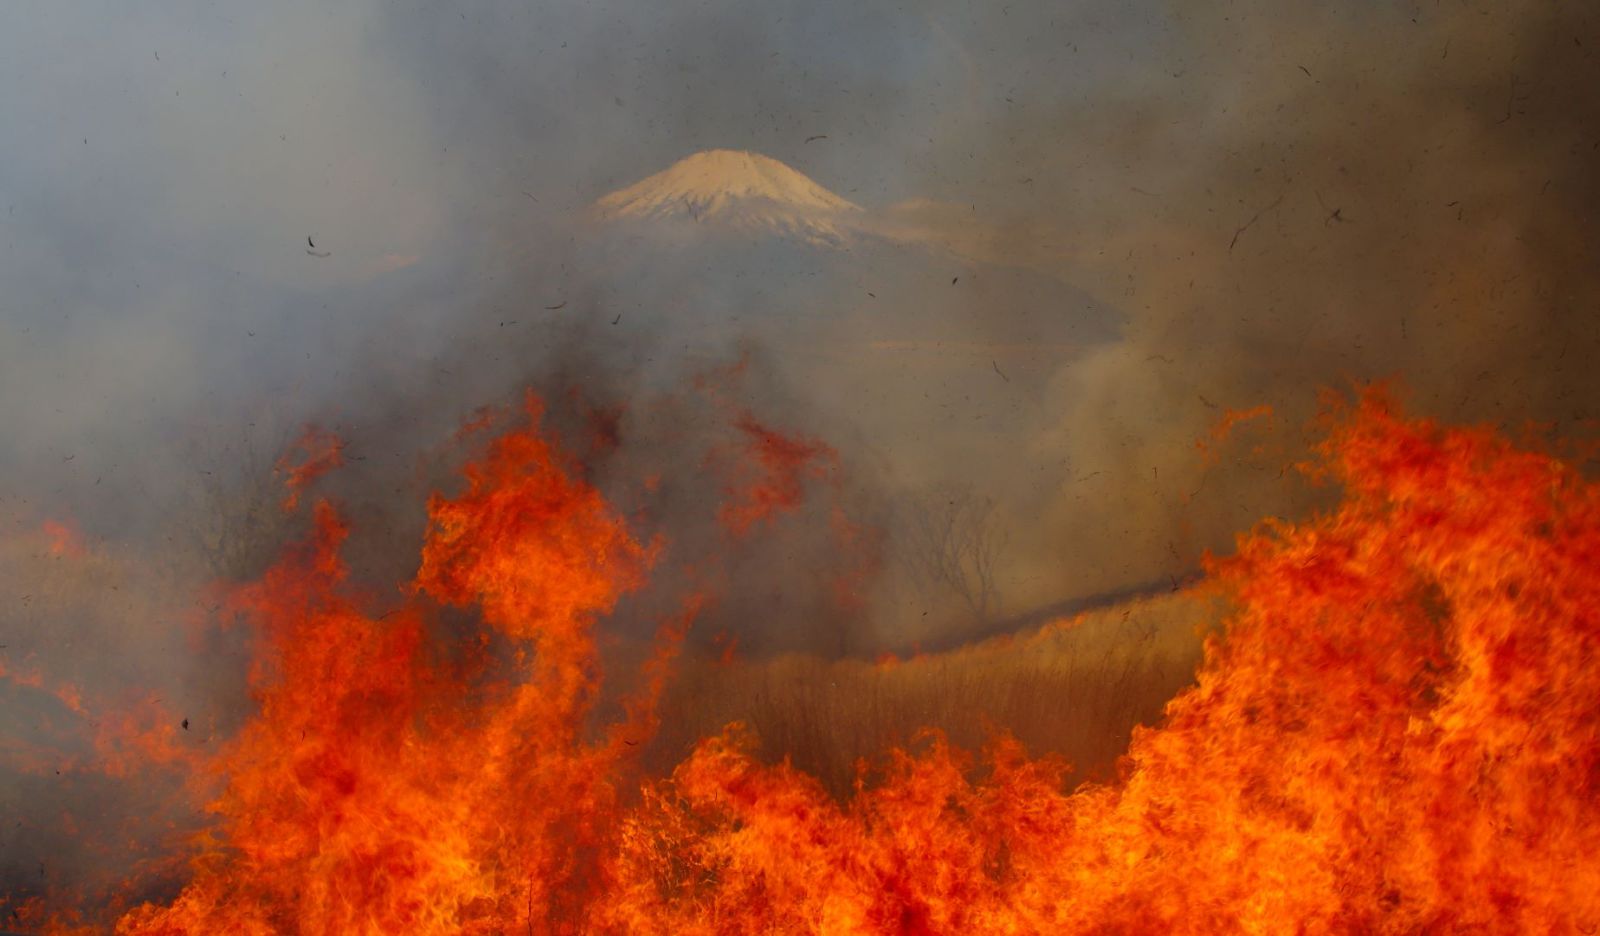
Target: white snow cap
{"points": [[738, 189]]}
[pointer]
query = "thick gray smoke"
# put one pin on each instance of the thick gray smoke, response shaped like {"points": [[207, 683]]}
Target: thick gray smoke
{"points": [[1291, 195], [222, 223], [1270, 198]]}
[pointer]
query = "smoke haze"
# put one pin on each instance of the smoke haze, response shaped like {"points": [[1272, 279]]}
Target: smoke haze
{"points": [[223, 221]]}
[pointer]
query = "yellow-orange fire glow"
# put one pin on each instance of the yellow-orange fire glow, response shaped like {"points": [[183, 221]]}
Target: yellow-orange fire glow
{"points": [[1396, 731]]}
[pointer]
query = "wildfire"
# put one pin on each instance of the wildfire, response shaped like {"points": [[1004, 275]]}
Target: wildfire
{"points": [[320, 451], [1397, 730], [781, 465]]}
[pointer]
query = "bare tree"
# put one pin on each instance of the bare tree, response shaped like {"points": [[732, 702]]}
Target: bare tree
{"points": [[234, 521], [953, 544]]}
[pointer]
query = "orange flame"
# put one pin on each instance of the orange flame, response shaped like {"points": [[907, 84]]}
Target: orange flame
{"points": [[1223, 428], [1396, 731], [781, 466], [65, 540], [366, 797], [320, 452]]}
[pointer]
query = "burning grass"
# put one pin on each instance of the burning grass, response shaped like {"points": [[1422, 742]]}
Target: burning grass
{"points": [[1075, 688], [1396, 731]]}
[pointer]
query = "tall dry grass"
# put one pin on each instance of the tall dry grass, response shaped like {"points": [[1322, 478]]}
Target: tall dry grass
{"points": [[1074, 688]]}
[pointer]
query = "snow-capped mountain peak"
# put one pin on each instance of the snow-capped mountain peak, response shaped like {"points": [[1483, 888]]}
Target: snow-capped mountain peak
{"points": [[737, 190]]}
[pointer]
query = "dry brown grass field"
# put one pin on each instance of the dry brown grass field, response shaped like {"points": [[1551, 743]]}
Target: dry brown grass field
{"points": [[1075, 688]]}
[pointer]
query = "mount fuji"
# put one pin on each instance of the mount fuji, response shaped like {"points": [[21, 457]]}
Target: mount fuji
{"points": [[738, 191], [733, 243]]}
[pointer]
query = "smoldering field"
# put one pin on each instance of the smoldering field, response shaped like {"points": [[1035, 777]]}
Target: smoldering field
{"points": [[1266, 199]]}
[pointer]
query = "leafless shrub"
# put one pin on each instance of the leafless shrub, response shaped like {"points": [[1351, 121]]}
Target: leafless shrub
{"points": [[952, 545]]}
